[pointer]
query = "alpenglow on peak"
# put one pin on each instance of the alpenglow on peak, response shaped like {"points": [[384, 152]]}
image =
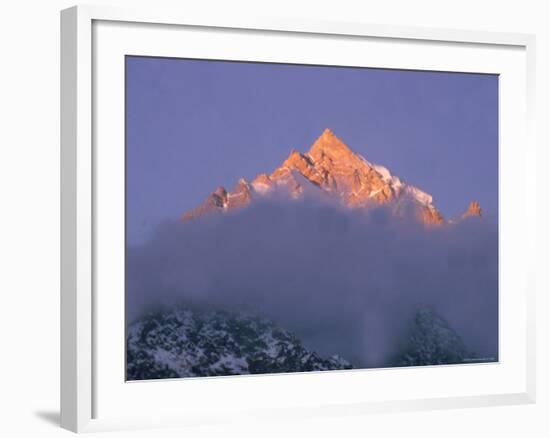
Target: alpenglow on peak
{"points": [[329, 143], [331, 168]]}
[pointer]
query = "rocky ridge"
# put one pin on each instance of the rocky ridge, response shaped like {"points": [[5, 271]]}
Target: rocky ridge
{"points": [[186, 343], [331, 168]]}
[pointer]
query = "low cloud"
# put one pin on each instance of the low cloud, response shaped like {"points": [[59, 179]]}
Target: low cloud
{"points": [[344, 281]]}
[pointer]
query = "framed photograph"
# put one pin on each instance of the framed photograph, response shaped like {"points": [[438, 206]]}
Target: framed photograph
{"points": [[281, 218]]}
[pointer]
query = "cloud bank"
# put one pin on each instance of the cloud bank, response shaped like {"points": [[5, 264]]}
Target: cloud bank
{"points": [[346, 282]]}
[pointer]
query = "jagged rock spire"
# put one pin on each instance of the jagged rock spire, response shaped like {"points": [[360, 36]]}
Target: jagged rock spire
{"points": [[474, 209]]}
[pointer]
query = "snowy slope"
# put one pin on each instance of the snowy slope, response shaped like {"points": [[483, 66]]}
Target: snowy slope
{"points": [[185, 343]]}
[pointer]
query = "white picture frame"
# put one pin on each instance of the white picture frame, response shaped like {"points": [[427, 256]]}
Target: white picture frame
{"points": [[82, 369]]}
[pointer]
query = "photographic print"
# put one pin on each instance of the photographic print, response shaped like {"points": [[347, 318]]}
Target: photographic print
{"points": [[286, 218]]}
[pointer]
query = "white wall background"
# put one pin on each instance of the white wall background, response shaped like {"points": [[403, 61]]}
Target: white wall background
{"points": [[29, 216]]}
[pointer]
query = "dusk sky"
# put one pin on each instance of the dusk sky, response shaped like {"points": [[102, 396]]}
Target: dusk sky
{"points": [[194, 125]]}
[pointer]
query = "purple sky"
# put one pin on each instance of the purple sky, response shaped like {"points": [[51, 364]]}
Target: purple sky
{"points": [[194, 125]]}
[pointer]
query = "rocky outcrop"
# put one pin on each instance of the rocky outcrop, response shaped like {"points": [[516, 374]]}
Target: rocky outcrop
{"points": [[215, 202], [474, 210]]}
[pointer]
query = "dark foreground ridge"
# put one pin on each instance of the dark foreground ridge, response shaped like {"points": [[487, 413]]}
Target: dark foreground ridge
{"points": [[185, 343]]}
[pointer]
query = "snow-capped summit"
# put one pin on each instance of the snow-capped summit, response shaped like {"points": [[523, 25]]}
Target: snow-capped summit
{"points": [[332, 167]]}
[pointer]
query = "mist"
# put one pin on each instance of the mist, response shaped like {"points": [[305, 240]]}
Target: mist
{"points": [[344, 281]]}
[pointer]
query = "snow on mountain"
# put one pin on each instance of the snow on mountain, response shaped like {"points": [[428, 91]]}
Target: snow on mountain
{"points": [[332, 168], [185, 343], [420, 196]]}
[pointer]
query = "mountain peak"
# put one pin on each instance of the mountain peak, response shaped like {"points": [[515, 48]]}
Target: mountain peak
{"points": [[336, 170], [328, 144], [474, 209], [328, 133]]}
